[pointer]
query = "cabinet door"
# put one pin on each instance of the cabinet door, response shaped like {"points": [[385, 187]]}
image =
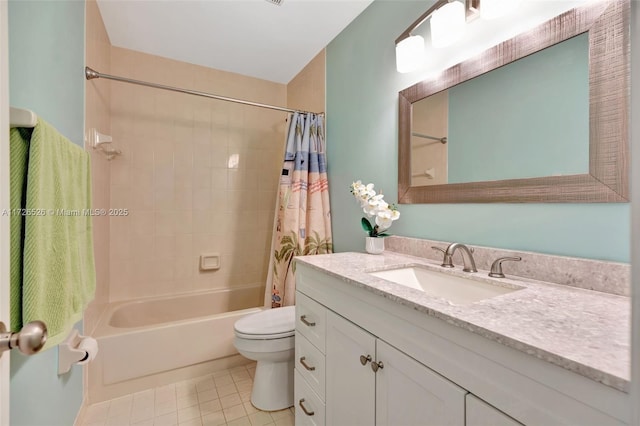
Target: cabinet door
{"points": [[479, 413], [408, 393], [350, 386]]}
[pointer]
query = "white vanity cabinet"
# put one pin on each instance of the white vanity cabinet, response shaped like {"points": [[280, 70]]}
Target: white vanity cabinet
{"points": [[429, 372], [371, 383], [365, 380]]}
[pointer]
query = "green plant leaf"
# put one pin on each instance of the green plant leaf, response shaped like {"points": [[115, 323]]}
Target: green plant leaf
{"points": [[366, 225]]}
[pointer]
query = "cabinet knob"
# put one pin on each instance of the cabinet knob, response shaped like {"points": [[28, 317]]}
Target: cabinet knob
{"points": [[365, 359], [307, 412], [306, 322], [375, 366]]}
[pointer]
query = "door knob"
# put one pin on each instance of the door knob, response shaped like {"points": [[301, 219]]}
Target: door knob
{"points": [[375, 366], [365, 359], [29, 340]]}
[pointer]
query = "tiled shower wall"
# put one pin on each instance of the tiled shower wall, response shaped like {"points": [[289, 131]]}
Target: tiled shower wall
{"points": [[97, 115], [196, 176]]}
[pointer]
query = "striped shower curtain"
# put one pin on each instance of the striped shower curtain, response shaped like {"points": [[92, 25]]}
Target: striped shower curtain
{"points": [[303, 224]]}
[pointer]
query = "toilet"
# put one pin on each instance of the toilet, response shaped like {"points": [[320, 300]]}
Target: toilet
{"points": [[268, 338]]}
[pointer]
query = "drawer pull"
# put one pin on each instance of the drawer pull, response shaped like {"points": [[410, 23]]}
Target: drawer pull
{"points": [[305, 365], [307, 412], [303, 318], [365, 359], [377, 365]]}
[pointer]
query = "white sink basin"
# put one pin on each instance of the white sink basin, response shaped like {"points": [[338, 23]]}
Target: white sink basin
{"points": [[458, 290]]}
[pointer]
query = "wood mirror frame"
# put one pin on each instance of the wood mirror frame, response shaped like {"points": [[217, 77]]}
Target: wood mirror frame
{"points": [[607, 25]]}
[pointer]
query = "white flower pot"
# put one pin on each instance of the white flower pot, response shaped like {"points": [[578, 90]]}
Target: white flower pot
{"points": [[374, 245]]}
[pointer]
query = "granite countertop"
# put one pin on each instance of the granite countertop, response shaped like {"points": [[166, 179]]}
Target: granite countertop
{"points": [[586, 332]]}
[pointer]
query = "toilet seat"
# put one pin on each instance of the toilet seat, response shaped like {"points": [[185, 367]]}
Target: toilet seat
{"points": [[265, 336], [270, 324]]}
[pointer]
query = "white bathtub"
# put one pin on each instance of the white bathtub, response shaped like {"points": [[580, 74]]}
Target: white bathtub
{"points": [[145, 337]]}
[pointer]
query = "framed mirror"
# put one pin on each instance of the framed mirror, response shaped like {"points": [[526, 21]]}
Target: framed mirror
{"points": [[542, 117]]}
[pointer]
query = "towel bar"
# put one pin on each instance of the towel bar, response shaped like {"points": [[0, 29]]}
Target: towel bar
{"points": [[19, 117]]}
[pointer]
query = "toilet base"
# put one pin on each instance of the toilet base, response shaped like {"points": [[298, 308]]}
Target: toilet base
{"points": [[270, 376]]}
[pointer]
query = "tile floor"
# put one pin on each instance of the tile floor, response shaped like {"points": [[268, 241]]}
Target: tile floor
{"points": [[221, 398]]}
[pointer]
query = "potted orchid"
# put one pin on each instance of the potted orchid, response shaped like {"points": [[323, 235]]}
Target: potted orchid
{"points": [[382, 214]]}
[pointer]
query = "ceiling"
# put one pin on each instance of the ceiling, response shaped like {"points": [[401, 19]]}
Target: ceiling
{"points": [[250, 37]]}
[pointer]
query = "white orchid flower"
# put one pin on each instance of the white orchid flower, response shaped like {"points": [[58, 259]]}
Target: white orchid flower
{"points": [[374, 206], [376, 200], [368, 190], [385, 217], [362, 192], [357, 188], [369, 210], [383, 224], [382, 205]]}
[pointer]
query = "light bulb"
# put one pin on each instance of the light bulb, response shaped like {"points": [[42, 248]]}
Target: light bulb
{"points": [[447, 24], [410, 54]]}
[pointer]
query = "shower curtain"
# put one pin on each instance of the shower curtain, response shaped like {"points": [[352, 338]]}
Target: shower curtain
{"points": [[303, 220]]}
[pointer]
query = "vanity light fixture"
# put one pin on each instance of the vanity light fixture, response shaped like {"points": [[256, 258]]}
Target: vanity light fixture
{"points": [[446, 28], [448, 21]]}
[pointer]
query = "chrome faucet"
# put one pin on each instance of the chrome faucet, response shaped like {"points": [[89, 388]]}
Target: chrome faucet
{"points": [[467, 257]]}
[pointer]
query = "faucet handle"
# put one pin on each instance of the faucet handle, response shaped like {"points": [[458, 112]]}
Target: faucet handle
{"points": [[443, 251], [447, 261], [496, 267]]}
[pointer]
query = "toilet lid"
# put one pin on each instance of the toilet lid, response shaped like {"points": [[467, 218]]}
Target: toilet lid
{"points": [[279, 322]]}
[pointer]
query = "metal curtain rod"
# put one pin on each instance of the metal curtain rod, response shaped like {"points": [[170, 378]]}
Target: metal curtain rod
{"points": [[442, 140], [90, 74]]}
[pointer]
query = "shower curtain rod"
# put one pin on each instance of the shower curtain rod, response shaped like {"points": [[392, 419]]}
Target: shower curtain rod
{"points": [[442, 140], [90, 74]]}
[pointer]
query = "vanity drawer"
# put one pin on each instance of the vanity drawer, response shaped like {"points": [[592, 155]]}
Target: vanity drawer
{"points": [[310, 364], [309, 406], [311, 320]]}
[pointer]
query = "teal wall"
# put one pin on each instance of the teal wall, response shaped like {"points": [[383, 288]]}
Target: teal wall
{"points": [[529, 118], [362, 127], [46, 63]]}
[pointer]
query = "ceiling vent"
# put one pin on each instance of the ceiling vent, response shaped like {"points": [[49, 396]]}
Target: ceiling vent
{"points": [[276, 2]]}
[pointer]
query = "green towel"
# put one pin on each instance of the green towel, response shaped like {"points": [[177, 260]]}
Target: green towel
{"points": [[52, 265]]}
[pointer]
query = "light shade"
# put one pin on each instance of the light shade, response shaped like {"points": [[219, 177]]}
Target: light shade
{"points": [[447, 24], [410, 54], [491, 9]]}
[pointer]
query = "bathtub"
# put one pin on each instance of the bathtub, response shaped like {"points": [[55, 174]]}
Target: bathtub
{"points": [[149, 336]]}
